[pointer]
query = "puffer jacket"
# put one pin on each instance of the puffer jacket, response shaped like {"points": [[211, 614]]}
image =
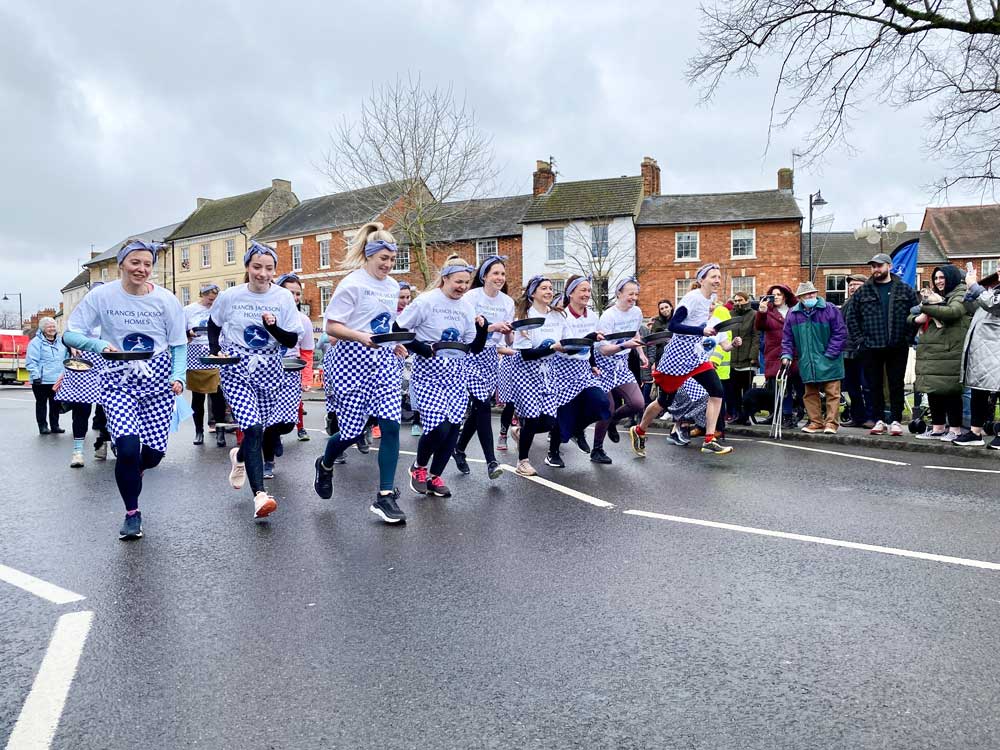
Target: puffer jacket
{"points": [[44, 359], [771, 324], [939, 349], [865, 323], [817, 337], [746, 354], [981, 355], [853, 344]]}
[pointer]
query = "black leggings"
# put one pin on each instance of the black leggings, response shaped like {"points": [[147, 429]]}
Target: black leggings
{"points": [[946, 408], [272, 436], [133, 459], [251, 456], [81, 415], [506, 417], [980, 408], [218, 404], [437, 447], [532, 427], [479, 421], [45, 405], [707, 379]]}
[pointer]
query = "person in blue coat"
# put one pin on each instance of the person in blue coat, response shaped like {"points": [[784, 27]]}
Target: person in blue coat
{"points": [[44, 363]]}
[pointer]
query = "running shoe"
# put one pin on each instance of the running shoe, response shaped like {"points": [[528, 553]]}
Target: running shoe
{"points": [[581, 442], [416, 430], [493, 470], [555, 460], [418, 479], [340, 460], [279, 449], [502, 442], [675, 438], [969, 440], [199, 438], [323, 481], [132, 528], [684, 435], [57, 430], [949, 437], [437, 488], [101, 451], [929, 434], [238, 474], [263, 505], [363, 445], [995, 444], [302, 434], [879, 428], [613, 434], [460, 462], [269, 470], [713, 446], [76, 462], [220, 438], [598, 456], [331, 421], [525, 469], [385, 507], [812, 429], [376, 433], [638, 442], [895, 429], [831, 429]]}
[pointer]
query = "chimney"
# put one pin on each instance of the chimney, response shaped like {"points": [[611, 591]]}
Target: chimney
{"points": [[285, 185], [786, 180], [203, 201], [650, 176], [543, 179]]}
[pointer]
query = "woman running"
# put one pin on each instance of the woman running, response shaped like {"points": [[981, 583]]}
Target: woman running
{"points": [[532, 390], [489, 299], [612, 360], [685, 357], [361, 378], [440, 384], [138, 396], [256, 321], [202, 379]]}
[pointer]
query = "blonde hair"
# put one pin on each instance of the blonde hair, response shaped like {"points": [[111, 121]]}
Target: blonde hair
{"points": [[355, 255], [451, 260]]}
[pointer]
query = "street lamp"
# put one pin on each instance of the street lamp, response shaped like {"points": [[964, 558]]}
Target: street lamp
{"points": [[815, 199], [20, 311]]}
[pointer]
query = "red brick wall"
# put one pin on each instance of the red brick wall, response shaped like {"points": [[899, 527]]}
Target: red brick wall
{"points": [[777, 261]]}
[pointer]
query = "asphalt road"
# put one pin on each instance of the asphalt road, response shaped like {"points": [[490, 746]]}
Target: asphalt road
{"points": [[513, 614]]}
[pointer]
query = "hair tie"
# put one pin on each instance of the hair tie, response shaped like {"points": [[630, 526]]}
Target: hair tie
{"points": [[132, 246], [484, 267], [373, 247], [702, 272], [257, 248]]}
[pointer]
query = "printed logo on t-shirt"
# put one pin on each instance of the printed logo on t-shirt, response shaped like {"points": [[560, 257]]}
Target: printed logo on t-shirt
{"points": [[256, 337], [450, 334], [380, 323], [137, 342]]}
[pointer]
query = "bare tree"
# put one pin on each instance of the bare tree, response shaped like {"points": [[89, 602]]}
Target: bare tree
{"points": [[423, 144], [9, 320], [837, 56], [594, 249]]}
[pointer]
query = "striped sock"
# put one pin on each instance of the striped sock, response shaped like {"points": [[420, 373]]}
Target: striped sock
{"points": [[78, 444]]}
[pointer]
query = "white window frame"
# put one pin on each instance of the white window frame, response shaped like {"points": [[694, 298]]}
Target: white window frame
{"points": [[186, 258], [324, 250], [185, 295], [680, 237], [486, 248], [104, 273], [230, 283], [230, 251], [206, 255], [402, 262], [752, 291], [296, 257], [681, 287], [841, 279], [595, 241], [732, 244], [560, 255], [325, 295], [988, 269], [558, 287]]}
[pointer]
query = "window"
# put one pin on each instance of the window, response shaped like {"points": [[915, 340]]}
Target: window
{"points": [[599, 293], [681, 287], [230, 251], [402, 260], [230, 283], [104, 273], [484, 249], [206, 256], [325, 293], [558, 287], [686, 245], [836, 289], [745, 284], [743, 243], [324, 253], [185, 258], [599, 240], [185, 295], [296, 257], [989, 267], [555, 240]]}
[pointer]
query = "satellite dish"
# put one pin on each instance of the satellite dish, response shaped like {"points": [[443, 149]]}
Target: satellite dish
{"points": [[873, 238], [859, 234], [899, 227]]}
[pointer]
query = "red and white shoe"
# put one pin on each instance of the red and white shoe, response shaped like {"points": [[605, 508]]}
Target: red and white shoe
{"points": [[878, 429], [263, 505], [896, 429]]}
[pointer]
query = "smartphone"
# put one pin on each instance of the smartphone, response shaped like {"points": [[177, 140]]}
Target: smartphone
{"points": [[969, 268]]}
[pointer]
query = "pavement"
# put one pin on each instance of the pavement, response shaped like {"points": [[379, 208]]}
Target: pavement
{"points": [[773, 598]]}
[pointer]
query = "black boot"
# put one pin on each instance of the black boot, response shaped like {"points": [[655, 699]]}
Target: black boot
{"points": [[199, 438]]}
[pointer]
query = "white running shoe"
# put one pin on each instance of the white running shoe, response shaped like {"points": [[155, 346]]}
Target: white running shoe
{"points": [[238, 474], [76, 462], [263, 505], [525, 469], [948, 437], [879, 428], [101, 454]]}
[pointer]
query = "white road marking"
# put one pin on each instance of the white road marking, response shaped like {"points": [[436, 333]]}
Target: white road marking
{"points": [[834, 453], [36, 726], [821, 540], [559, 488], [958, 468], [38, 587]]}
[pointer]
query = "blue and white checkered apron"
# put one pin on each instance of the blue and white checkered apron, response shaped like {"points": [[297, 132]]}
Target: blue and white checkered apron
{"points": [[361, 382], [680, 355], [252, 387], [614, 371], [505, 373], [483, 372], [531, 387], [82, 387], [690, 403], [289, 397], [570, 376], [195, 353], [439, 386], [138, 400]]}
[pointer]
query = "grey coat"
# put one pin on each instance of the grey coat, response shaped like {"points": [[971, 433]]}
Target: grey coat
{"points": [[981, 355]]}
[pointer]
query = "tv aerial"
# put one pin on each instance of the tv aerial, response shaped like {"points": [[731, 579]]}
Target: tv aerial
{"points": [[875, 231]]}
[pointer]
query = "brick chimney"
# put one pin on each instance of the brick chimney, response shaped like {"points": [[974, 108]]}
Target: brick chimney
{"points": [[786, 180], [203, 201], [543, 178], [285, 185], [650, 176]]}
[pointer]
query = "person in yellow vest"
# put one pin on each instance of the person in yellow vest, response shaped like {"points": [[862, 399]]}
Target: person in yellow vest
{"points": [[722, 358]]}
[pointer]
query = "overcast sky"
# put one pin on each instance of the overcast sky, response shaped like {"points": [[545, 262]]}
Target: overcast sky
{"points": [[116, 116]]}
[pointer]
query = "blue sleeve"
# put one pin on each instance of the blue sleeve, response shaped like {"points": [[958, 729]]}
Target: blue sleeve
{"points": [[178, 363], [79, 341], [31, 360], [676, 324]]}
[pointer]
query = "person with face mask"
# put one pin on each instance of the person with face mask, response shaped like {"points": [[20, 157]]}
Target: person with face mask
{"points": [[815, 334]]}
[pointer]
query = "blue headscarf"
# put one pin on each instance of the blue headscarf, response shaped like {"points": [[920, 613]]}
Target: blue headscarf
{"points": [[484, 267], [702, 272], [373, 247], [257, 248], [449, 270], [533, 284], [133, 245], [209, 287], [574, 284], [287, 277], [623, 282], [404, 284]]}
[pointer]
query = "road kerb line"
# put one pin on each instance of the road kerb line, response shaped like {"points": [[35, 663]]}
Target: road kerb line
{"points": [[42, 709], [43, 589], [821, 540], [960, 468], [597, 502], [834, 453]]}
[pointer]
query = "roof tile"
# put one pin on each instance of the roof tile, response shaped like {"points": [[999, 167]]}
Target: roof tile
{"points": [[965, 230], [718, 208], [221, 214], [586, 199], [346, 209]]}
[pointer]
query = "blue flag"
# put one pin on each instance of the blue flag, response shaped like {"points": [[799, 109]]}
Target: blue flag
{"points": [[904, 262]]}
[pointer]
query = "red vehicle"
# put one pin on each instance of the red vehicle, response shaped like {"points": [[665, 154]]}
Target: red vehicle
{"points": [[13, 349]]}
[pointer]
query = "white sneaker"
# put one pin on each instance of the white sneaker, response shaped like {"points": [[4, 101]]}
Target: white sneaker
{"points": [[515, 434], [101, 454], [896, 429], [525, 469], [77, 461], [878, 429], [948, 437], [263, 505], [238, 474]]}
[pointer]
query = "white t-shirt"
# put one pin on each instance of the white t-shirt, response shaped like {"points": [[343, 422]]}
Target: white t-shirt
{"points": [[239, 312], [499, 309], [132, 323], [306, 342], [614, 320], [434, 316], [697, 305], [363, 303], [578, 328], [197, 315], [550, 333]]}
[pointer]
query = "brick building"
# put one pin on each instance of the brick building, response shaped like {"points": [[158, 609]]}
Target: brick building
{"points": [[967, 234], [754, 236]]}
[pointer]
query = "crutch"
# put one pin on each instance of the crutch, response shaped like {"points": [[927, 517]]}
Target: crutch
{"points": [[777, 413]]}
